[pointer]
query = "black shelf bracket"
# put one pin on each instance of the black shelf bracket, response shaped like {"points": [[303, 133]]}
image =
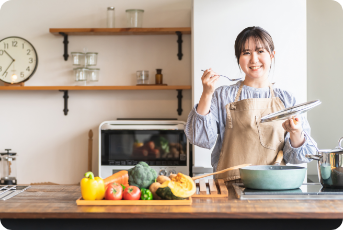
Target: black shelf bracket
{"points": [[65, 96], [65, 42], [179, 101], [179, 41]]}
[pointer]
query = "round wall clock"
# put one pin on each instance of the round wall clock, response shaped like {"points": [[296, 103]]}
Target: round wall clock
{"points": [[18, 60]]}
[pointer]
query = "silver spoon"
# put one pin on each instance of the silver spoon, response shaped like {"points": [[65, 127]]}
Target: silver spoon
{"points": [[227, 77]]}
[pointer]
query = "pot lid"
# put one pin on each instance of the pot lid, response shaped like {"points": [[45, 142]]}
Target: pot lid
{"points": [[8, 153], [336, 150], [291, 111]]}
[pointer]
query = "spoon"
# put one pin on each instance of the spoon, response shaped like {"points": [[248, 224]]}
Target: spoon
{"points": [[227, 77]]}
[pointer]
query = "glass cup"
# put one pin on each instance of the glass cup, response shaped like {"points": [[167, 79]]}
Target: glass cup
{"points": [[93, 74], [91, 58], [78, 58], [134, 18], [80, 74], [142, 77], [110, 17]]}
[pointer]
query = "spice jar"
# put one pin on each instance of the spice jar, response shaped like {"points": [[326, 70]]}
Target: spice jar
{"points": [[9, 168], [159, 77]]}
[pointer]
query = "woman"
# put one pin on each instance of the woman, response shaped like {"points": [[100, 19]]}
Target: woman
{"points": [[234, 113]]}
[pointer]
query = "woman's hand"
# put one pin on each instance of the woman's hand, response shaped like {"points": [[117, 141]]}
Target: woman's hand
{"points": [[294, 127], [209, 78]]}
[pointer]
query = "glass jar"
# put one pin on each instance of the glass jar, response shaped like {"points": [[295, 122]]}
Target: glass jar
{"points": [[134, 18], [93, 74], [78, 58], [80, 74], [110, 17], [159, 77], [91, 58], [9, 168], [142, 77]]}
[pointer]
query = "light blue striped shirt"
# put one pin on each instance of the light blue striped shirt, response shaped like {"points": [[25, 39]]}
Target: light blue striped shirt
{"points": [[205, 131]]}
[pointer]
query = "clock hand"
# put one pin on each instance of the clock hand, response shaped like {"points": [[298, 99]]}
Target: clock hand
{"points": [[7, 67], [9, 55]]}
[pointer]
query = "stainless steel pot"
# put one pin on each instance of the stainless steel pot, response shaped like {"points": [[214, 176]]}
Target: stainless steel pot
{"points": [[330, 166]]}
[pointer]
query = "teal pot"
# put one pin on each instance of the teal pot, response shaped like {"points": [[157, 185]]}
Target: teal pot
{"points": [[271, 177]]}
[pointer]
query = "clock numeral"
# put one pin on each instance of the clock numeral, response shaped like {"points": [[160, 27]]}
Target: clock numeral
{"points": [[21, 74], [23, 45], [28, 51], [5, 45], [14, 43], [30, 60], [0, 68], [28, 68], [1, 52]]}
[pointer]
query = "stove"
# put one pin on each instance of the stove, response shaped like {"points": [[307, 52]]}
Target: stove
{"points": [[9, 191], [306, 191]]}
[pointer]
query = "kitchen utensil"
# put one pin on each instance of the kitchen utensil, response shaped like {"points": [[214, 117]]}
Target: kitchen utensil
{"points": [[110, 17], [134, 18], [9, 168], [142, 77], [227, 77], [222, 171], [273, 177], [291, 111], [12, 191], [216, 189], [330, 166]]}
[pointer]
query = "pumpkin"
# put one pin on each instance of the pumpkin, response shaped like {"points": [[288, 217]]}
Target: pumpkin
{"points": [[178, 188]]}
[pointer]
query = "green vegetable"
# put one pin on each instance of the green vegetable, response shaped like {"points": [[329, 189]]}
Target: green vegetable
{"points": [[162, 143], [146, 194], [142, 175]]}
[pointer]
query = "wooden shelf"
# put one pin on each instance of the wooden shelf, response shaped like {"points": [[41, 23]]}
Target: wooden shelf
{"points": [[65, 90], [120, 31], [169, 87], [65, 32]]}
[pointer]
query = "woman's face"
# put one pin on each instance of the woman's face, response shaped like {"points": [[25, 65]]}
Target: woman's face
{"points": [[255, 61]]}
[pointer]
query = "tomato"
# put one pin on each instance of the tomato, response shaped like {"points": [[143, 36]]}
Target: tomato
{"points": [[132, 193], [114, 191]]}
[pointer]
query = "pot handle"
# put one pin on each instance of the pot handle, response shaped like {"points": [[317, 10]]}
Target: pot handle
{"points": [[314, 157], [339, 142]]}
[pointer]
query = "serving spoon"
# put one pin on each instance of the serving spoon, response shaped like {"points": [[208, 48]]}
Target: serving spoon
{"points": [[227, 77]]}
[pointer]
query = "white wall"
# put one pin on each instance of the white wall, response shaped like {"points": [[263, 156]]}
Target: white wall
{"points": [[325, 78], [53, 147], [216, 26]]}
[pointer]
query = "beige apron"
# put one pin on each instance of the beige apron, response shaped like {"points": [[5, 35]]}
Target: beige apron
{"points": [[246, 140]]}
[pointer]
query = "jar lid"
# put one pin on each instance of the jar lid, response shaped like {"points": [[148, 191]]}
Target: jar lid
{"points": [[77, 53], [110, 8], [91, 53], [134, 10]]}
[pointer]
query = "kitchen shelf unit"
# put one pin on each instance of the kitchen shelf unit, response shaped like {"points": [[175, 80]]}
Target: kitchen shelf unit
{"points": [[65, 90], [65, 32]]}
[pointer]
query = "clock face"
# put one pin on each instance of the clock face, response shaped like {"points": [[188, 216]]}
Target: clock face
{"points": [[18, 60]]}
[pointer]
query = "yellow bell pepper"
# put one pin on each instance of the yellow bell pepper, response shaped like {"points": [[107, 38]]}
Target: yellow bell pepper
{"points": [[92, 188]]}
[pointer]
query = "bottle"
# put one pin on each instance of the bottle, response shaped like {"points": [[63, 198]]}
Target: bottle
{"points": [[110, 17], [159, 77]]}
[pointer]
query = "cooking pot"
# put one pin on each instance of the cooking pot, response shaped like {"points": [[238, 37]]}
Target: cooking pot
{"points": [[330, 166]]}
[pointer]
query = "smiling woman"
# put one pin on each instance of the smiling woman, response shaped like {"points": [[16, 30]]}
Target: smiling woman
{"points": [[235, 113]]}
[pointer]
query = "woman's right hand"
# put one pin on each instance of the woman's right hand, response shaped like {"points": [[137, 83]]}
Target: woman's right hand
{"points": [[209, 78]]}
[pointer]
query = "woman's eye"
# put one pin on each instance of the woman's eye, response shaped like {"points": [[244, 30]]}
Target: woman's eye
{"points": [[246, 53], [261, 51]]}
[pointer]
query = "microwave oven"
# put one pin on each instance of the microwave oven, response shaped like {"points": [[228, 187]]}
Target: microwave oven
{"points": [[163, 145]]}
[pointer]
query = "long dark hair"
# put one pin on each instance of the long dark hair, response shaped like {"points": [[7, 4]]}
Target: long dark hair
{"points": [[261, 37]]}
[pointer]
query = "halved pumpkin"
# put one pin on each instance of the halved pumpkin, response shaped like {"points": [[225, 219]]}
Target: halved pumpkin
{"points": [[178, 188]]}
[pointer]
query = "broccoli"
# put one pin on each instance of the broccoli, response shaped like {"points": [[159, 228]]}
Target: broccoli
{"points": [[142, 175]]}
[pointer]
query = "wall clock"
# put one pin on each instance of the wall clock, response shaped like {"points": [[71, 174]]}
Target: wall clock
{"points": [[18, 60]]}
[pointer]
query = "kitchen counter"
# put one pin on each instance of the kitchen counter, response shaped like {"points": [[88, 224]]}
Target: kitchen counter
{"points": [[58, 201]]}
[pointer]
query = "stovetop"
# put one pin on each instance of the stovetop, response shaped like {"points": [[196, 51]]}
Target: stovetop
{"points": [[305, 191]]}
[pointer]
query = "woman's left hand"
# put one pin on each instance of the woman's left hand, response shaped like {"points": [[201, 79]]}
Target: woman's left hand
{"points": [[294, 127]]}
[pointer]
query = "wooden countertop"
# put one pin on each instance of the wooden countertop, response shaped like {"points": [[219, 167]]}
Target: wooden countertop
{"points": [[58, 201]]}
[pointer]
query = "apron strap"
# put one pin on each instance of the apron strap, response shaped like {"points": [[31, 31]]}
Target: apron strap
{"points": [[241, 87]]}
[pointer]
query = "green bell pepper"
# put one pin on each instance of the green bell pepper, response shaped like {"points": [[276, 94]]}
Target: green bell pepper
{"points": [[146, 194]]}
